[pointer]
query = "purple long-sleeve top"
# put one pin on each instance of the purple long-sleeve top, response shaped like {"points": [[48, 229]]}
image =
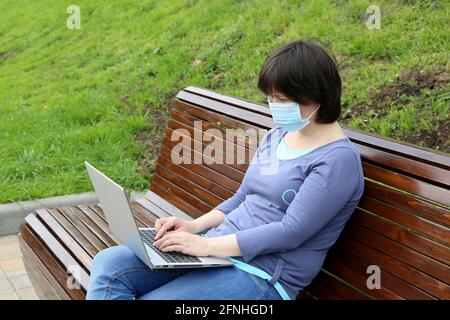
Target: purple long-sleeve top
{"points": [[286, 214]]}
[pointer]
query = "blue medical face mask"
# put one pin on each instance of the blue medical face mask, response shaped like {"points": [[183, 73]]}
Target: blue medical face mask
{"points": [[288, 115]]}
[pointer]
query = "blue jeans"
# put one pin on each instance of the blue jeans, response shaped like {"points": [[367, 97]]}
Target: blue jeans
{"points": [[117, 273]]}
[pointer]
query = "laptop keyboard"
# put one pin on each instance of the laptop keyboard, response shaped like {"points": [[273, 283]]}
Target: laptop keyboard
{"points": [[148, 236]]}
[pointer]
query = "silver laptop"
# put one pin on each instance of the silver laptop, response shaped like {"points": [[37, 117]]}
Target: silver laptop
{"points": [[118, 213]]}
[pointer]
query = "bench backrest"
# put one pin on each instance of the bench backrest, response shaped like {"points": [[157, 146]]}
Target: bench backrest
{"points": [[401, 225]]}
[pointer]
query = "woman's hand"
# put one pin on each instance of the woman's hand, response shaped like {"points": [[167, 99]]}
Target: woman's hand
{"points": [[169, 224], [184, 242]]}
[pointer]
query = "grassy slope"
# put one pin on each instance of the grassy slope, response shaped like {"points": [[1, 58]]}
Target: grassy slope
{"points": [[72, 95]]}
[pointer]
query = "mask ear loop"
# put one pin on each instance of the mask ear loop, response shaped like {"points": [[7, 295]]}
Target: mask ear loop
{"points": [[313, 112]]}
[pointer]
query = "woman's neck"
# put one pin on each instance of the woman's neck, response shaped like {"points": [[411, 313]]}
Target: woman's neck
{"points": [[314, 135], [320, 131]]}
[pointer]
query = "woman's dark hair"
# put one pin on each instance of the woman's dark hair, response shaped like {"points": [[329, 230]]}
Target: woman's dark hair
{"points": [[304, 72]]}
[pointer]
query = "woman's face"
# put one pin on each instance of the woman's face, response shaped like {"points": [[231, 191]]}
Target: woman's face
{"points": [[280, 98], [305, 109]]}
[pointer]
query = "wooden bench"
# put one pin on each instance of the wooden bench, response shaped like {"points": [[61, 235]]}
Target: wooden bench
{"points": [[401, 225]]}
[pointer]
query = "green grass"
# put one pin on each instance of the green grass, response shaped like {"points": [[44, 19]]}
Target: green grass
{"points": [[72, 95]]}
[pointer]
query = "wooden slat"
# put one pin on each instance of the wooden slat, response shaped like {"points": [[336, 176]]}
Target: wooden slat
{"points": [[358, 280], [246, 134], [398, 251], [304, 295], [66, 239], [199, 150], [207, 184], [70, 228], [57, 250], [244, 140], [87, 209], [407, 150], [217, 120], [97, 208], [419, 279], [408, 203], [165, 205], [326, 287], [74, 219], [148, 220], [321, 292], [93, 227], [231, 111], [414, 241], [195, 190], [420, 225], [233, 173], [222, 147], [47, 260], [150, 206], [406, 183], [44, 288], [182, 194], [186, 207], [211, 172], [238, 102], [399, 163], [390, 281]]}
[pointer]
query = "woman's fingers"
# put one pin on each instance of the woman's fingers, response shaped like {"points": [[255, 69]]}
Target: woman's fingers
{"points": [[175, 247], [159, 222], [167, 240], [167, 224]]}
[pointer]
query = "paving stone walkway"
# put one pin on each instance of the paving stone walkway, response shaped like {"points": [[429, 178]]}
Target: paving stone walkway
{"points": [[14, 281]]}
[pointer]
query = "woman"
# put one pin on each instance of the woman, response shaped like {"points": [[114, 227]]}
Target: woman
{"points": [[301, 187]]}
